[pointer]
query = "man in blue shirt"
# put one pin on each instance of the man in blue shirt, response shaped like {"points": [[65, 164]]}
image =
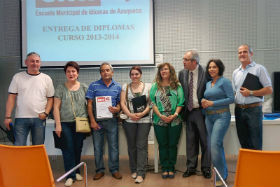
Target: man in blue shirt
{"points": [[248, 108], [105, 86]]}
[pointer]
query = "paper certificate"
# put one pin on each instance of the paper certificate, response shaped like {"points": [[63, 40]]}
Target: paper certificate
{"points": [[102, 104]]}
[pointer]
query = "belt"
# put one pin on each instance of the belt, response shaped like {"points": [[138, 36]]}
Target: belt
{"points": [[244, 106], [195, 109], [210, 112]]}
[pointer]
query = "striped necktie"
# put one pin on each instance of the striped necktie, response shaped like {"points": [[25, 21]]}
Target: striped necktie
{"points": [[190, 102]]}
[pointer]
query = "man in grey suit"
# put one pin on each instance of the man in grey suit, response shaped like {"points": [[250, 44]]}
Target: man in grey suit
{"points": [[193, 80]]}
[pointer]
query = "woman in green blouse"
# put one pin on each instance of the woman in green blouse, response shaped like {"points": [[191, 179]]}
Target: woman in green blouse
{"points": [[167, 99]]}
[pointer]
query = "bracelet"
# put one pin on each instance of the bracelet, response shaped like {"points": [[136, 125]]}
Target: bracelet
{"points": [[46, 114], [7, 117], [176, 114], [160, 115]]}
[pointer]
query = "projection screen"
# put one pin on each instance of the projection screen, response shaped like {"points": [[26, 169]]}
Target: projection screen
{"points": [[90, 32]]}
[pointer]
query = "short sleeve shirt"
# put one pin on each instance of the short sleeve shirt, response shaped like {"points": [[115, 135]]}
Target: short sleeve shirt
{"points": [[239, 76], [98, 88], [79, 102], [32, 93]]}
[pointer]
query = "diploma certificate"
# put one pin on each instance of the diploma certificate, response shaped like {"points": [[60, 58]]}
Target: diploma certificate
{"points": [[102, 104]]}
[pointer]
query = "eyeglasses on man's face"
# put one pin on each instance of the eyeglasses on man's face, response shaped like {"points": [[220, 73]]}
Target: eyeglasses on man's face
{"points": [[187, 60]]}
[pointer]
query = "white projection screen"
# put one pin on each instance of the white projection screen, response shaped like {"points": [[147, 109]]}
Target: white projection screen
{"points": [[90, 32]]}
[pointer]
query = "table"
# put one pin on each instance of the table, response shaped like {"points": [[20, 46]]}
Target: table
{"points": [[271, 139]]}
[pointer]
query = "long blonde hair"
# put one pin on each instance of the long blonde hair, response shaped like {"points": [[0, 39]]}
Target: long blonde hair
{"points": [[174, 82]]}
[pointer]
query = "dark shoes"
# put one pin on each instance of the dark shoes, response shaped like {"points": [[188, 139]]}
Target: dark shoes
{"points": [[165, 175], [207, 174], [117, 175], [189, 173], [171, 174], [98, 176]]}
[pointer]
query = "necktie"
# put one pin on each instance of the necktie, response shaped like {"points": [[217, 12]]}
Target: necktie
{"points": [[190, 102]]}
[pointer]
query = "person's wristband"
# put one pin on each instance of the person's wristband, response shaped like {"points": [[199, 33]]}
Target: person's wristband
{"points": [[160, 115], [8, 117], [46, 114], [176, 114]]}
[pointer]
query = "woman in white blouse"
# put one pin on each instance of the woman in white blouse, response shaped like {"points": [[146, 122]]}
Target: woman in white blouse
{"points": [[135, 105]]}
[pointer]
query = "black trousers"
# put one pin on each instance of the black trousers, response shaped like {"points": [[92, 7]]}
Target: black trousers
{"points": [[196, 133]]}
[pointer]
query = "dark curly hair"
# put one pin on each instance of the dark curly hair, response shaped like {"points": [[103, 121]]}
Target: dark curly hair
{"points": [[219, 64]]}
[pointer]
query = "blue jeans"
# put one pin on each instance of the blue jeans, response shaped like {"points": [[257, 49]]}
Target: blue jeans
{"points": [[217, 126], [249, 127], [110, 127], [22, 128], [72, 152]]}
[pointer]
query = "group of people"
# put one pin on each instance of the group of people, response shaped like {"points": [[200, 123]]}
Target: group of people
{"points": [[198, 97]]}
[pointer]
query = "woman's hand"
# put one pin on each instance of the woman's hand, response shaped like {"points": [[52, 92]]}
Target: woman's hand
{"points": [[206, 103], [166, 119], [134, 116], [171, 118], [141, 114]]}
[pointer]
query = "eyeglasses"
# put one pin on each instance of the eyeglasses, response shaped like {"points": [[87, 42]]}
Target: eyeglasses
{"points": [[105, 70], [185, 59]]}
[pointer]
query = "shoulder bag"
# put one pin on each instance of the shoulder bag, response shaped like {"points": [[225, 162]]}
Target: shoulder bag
{"points": [[82, 123]]}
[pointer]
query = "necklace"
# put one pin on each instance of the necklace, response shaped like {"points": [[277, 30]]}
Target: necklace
{"points": [[136, 85]]}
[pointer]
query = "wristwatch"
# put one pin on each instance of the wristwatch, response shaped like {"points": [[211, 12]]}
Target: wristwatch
{"points": [[251, 93]]}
